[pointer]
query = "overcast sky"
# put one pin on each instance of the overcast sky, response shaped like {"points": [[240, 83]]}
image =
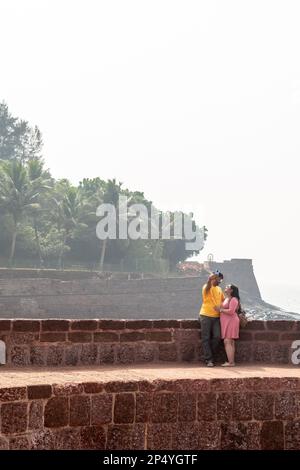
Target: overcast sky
{"points": [[196, 103]]}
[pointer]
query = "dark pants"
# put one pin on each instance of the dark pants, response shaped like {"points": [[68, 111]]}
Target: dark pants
{"points": [[210, 336]]}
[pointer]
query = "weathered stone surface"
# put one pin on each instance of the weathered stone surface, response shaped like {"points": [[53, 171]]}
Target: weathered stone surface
{"points": [[72, 355], [106, 337], [266, 336], [207, 406], [118, 386], [164, 408], [24, 338], [263, 406], [209, 437], [93, 387], [5, 325], [55, 325], [242, 406], [290, 336], [143, 407], [187, 352], [145, 352], [190, 324], [186, 436], [224, 406], [14, 417], [55, 356], [159, 336], [101, 409], [187, 407], [38, 355], [19, 443], [92, 438], [262, 352], [139, 324], [84, 325], [245, 336], [125, 353], [124, 437], [298, 403], [187, 336], [182, 385], [89, 354], [280, 353], [167, 352], [80, 337], [13, 394], [159, 436], [280, 325], [26, 325], [292, 435], [166, 324], [67, 439], [4, 444], [43, 440], [124, 408], [255, 326], [244, 351], [240, 436], [132, 336], [285, 405], [67, 389], [272, 437], [80, 407], [111, 324], [53, 337], [39, 391], [263, 383], [36, 415], [20, 356], [230, 385], [57, 412], [106, 353]]}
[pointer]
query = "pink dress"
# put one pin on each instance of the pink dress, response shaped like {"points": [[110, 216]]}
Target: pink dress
{"points": [[230, 322]]}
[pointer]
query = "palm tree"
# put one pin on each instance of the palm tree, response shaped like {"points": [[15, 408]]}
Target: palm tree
{"points": [[41, 180], [105, 193], [18, 197], [70, 208]]}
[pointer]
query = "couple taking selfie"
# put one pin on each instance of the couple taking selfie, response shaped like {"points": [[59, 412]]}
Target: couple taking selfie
{"points": [[219, 317]]}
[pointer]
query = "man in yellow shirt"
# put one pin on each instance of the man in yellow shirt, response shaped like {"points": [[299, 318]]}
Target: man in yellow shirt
{"points": [[212, 296]]}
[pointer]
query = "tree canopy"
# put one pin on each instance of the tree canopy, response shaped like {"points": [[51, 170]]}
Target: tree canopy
{"points": [[48, 222]]}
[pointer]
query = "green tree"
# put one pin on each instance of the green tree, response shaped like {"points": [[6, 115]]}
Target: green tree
{"points": [[18, 197], [17, 139], [69, 208], [42, 183]]}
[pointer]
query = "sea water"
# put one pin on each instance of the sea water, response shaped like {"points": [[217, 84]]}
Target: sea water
{"points": [[286, 296]]}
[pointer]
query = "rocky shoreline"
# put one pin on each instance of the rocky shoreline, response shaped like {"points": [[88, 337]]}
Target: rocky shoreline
{"points": [[261, 310]]}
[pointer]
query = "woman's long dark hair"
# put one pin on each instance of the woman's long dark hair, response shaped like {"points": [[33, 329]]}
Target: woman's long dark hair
{"points": [[235, 293]]}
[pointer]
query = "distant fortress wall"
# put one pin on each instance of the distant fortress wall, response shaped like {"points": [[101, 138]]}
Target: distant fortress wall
{"points": [[75, 294], [239, 272]]}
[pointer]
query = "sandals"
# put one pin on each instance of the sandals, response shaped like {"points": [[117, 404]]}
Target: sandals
{"points": [[228, 364]]}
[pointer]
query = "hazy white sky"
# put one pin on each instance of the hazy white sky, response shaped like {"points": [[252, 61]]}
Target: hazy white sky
{"points": [[196, 103]]}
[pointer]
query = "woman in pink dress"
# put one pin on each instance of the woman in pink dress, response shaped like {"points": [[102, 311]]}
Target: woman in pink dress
{"points": [[230, 323]]}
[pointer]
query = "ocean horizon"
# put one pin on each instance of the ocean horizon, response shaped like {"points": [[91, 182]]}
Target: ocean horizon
{"points": [[285, 296]]}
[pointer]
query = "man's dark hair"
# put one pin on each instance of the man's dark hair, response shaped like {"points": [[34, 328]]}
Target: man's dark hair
{"points": [[219, 274]]}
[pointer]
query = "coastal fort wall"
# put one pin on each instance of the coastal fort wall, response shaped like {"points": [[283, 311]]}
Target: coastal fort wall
{"points": [[80, 294]]}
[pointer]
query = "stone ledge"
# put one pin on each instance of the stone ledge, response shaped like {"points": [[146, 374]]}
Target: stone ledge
{"points": [[151, 407], [54, 342]]}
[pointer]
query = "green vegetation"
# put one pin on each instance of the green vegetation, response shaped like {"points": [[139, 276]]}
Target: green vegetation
{"points": [[52, 223]]}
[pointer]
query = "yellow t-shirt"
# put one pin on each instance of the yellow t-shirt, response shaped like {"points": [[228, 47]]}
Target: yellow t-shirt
{"points": [[213, 298]]}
